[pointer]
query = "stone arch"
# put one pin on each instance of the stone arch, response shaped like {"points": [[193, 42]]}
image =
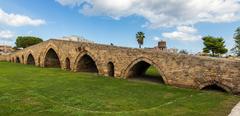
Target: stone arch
{"points": [[110, 69], [140, 66], [30, 60], [85, 62], [52, 59], [42, 55], [27, 55], [67, 64], [215, 84], [18, 60]]}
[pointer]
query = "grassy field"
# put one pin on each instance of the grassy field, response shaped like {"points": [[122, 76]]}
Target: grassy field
{"points": [[28, 90], [152, 71]]}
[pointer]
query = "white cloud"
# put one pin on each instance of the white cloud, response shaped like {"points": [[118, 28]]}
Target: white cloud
{"points": [[156, 38], [162, 13], [184, 33], [6, 35], [18, 20]]}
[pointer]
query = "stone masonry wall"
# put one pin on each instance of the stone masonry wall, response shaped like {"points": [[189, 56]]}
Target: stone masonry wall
{"points": [[4, 57]]}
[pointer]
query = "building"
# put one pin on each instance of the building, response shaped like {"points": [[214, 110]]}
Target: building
{"points": [[162, 45], [4, 49], [172, 50], [76, 39]]}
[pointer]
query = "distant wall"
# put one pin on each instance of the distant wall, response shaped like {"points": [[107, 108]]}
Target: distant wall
{"points": [[4, 57]]}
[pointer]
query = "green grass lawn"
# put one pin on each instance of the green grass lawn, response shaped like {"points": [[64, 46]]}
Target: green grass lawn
{"points": [[152, 71], [28, 90]]}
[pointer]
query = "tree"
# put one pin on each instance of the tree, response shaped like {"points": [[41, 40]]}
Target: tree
{"points": [[183, 52], [26, 41], [140, 38], [215, 45], [236, 38]]}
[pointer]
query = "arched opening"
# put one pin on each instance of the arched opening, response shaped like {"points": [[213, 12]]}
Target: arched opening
{"points": [[144, 71], [87, 64], [18, 60], [52, 59], [67, 63], [214, 87], [30, 60], [110, 66]]}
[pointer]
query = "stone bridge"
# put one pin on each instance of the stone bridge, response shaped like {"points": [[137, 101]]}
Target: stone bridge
{"points": [[175, 69]]}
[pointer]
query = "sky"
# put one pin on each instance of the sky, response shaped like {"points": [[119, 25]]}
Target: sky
{"points": [[182, 23]]}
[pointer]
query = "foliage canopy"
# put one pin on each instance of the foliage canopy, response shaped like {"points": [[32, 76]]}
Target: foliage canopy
{"points": [[26, 41], [214, 45], [140, 38]]}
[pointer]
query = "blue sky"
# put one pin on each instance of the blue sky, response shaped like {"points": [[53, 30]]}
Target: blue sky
{"points": [[105, 21]]}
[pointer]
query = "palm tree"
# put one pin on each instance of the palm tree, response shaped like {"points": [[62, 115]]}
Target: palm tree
{"points": [[140, 38]]}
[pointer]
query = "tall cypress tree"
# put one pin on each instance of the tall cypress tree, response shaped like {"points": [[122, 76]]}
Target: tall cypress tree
{"points": [[236, 38]]}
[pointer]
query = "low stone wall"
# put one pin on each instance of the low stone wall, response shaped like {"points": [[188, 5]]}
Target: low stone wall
{"points": [[3, 57]]}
